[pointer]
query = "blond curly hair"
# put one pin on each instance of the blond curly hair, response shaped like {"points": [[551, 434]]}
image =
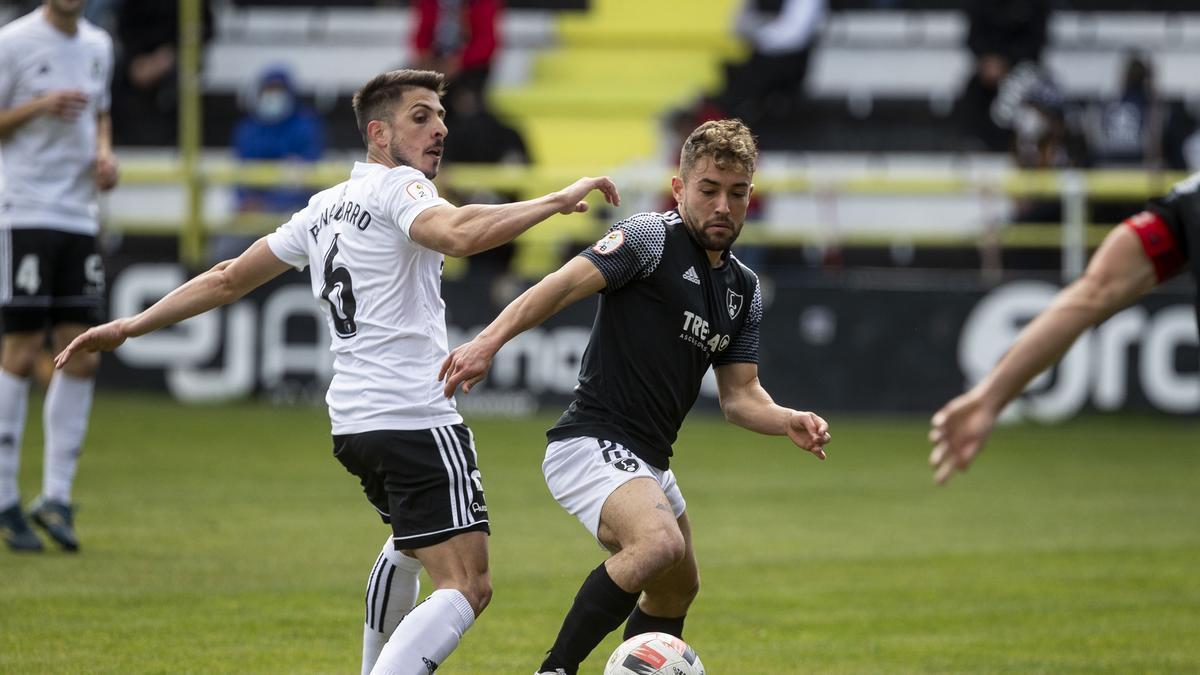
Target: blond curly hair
{"points": [[728, 143]]}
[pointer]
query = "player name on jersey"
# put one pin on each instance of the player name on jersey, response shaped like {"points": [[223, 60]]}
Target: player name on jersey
{"points": [[345, 211]]}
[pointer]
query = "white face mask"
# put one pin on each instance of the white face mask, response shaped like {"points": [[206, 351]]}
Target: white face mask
{"points": [[273, 105]]}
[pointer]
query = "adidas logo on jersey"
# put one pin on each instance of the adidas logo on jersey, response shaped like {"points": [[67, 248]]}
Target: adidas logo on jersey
{"points": [[691, 275]]}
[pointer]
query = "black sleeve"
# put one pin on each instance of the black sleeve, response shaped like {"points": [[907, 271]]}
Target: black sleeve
{"points": [[1181, 211], [631, 250], [744, 348]]}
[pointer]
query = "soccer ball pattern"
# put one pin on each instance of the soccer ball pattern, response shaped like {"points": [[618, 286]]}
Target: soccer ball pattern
{"points": [[654, 654]]}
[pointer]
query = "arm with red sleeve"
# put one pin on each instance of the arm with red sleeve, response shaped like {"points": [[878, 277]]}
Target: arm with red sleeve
{"points": [[1136, 256]]}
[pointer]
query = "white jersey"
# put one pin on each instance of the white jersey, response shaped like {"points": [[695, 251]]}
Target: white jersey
{"points": [[381, 293], [48, 161]]}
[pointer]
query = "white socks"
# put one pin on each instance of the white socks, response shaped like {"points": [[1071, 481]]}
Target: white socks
{"points": [[427, 636], [65, 420], [392, 592], [14, 398]]}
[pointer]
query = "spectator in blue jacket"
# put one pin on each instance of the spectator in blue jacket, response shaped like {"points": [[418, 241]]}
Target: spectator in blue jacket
{"points": [[278, 127]]}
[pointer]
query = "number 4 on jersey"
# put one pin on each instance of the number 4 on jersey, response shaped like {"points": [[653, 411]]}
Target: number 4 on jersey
{"points": [[339, 293]]}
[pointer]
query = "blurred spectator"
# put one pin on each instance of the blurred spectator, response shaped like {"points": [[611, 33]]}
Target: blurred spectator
{"points": [[1045, 136], [482, 138], [458, 38], [1002, 35], [146, 93], [1181, 137], [277, 126], [1131, 131], [1139, 129], [780, 34], [479, 136], [1128, 131]]}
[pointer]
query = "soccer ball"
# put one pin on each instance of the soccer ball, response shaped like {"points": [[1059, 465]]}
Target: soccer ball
{"points": [[654, 654]]}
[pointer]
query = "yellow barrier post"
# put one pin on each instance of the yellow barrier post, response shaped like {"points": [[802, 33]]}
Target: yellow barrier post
{"points": [[191, 237]]}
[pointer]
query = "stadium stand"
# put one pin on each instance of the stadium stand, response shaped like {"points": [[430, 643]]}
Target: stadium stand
{"points": [[881, 65], [882, 79], [879, 96]]}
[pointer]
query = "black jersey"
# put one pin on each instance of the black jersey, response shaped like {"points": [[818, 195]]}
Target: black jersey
{"points": [[665, 316], [1180, 210]]}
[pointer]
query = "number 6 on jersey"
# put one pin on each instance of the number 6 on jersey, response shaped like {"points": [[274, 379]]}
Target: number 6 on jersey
{"points": [[339, 293]]}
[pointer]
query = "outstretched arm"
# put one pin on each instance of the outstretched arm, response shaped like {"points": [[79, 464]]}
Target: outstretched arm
{"points": [[1119, 273], [746, 404], [467, 364], [467, 230], [221, 285]]}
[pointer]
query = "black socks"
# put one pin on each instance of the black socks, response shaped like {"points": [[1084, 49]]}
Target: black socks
{"points": [[600, 606], [640, 622]]}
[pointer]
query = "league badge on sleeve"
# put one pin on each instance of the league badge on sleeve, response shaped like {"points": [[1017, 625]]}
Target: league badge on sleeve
{"points": [[609, 242], [418, 190]]}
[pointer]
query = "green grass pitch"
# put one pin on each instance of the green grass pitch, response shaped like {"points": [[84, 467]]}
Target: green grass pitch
{"points": [[225, 539]]}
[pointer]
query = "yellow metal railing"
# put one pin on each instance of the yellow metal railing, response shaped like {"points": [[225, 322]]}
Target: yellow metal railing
{"points": [[1074, 188]]}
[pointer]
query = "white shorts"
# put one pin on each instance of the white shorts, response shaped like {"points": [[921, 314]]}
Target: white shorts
{"points": [[582, 472]]}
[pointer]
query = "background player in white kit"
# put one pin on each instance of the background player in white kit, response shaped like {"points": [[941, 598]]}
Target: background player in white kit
{"points": [[55, 133], [375, 245]]}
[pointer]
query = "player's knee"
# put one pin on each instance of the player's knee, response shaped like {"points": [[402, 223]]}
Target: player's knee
{"points": [[674, 547], [663, 549], [19, 355], [20, 367]]}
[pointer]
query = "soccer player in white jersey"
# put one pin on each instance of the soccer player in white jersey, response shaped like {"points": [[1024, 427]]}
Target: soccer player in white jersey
{"points": [[55, 133], [375, 245]]}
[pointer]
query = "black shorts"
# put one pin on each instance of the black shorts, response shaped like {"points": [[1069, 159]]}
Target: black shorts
{"points": [[425, 483], [49, 277]]}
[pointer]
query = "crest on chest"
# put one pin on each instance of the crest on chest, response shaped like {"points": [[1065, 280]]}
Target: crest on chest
{"points": [[733, 303]]}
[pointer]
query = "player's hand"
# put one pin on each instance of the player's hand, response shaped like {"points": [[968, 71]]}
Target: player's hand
{"points": [[467, 364], [65, 104], [958, 432], [807, 430], [572, 196], [106, 171], [102, 338]]}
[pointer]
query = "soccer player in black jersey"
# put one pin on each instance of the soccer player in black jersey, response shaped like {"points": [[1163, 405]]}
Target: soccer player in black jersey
{"points": [[675, 301], [1143, 251]]}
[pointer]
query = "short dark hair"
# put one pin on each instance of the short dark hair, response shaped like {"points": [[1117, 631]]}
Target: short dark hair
{"points": [[728, 142], [377, 98]]}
